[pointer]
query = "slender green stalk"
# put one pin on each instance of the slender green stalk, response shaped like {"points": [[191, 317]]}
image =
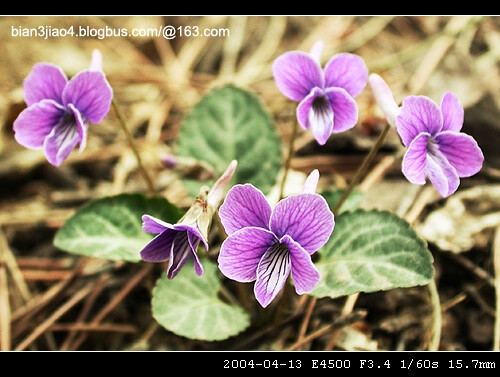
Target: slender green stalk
{"points": [[288, 158], [282, 304], [286, 293], [359, 173], [130, 139], [436, 317], [362, 169]]}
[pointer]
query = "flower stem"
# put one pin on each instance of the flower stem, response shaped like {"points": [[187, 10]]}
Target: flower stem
{"points": [[362, 169], [351, 300], [436, 316], [288, 158], [130, 139], [282, 304]]}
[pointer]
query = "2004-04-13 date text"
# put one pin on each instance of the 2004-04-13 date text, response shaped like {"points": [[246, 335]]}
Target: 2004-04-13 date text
{"points": [[361, 364]]}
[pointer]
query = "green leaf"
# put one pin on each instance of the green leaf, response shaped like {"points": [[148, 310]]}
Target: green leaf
{"points": [[371, 251], [111, 228], [228, 124], [351, 203], [188, 306]]}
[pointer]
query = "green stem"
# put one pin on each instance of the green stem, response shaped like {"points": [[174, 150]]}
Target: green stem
{"points": [[131, 142], [282, 304], [436, 317], [288, 158], [359, 173], [362, 169]]}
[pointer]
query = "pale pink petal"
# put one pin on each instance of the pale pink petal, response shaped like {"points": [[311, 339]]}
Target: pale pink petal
{"points": [[384, 98], [311, 183]]}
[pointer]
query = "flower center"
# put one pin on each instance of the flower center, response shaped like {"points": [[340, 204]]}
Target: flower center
{"points": [[432, 146], [69, 118], [321, 105]]}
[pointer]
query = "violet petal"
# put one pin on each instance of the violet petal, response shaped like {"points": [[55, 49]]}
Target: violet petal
{"points": [[347, 71], [442, 175], [62, 140], [193, 229], [296, 73], [154, 225], [321, 119], [244, 206], [272, 273], [345, 109], [453, 113], [241, 252], [179, 254], [414, 161], [305, 106], [36, 122], [91, 94], [304, 217], [194, 242], [81, 126], [45, 81], [418, 114], [462, 152], [158, 249], [304, 274]]}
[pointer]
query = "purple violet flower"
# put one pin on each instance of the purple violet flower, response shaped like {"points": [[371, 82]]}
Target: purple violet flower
{"points": [[177, 242], [436, 147], [59, 111], [326, 97], [265, 245]]}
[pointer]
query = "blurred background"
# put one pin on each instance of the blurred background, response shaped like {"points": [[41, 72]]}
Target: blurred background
{"points": [[156, 80]]}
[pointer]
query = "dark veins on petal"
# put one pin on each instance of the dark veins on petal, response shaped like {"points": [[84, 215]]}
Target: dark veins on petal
{"points": [[277, 263], [66, 128]]}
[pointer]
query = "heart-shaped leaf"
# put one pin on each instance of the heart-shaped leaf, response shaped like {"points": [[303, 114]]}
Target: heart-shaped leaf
{"points": [[111, 228], [188, 305], [228, 124], [371, 251]]}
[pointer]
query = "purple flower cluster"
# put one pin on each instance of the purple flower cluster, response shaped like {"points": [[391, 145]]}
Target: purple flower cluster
{"points": [[59, 111], [175, 243], [436, 147], [265, 245], [326, 97]]}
